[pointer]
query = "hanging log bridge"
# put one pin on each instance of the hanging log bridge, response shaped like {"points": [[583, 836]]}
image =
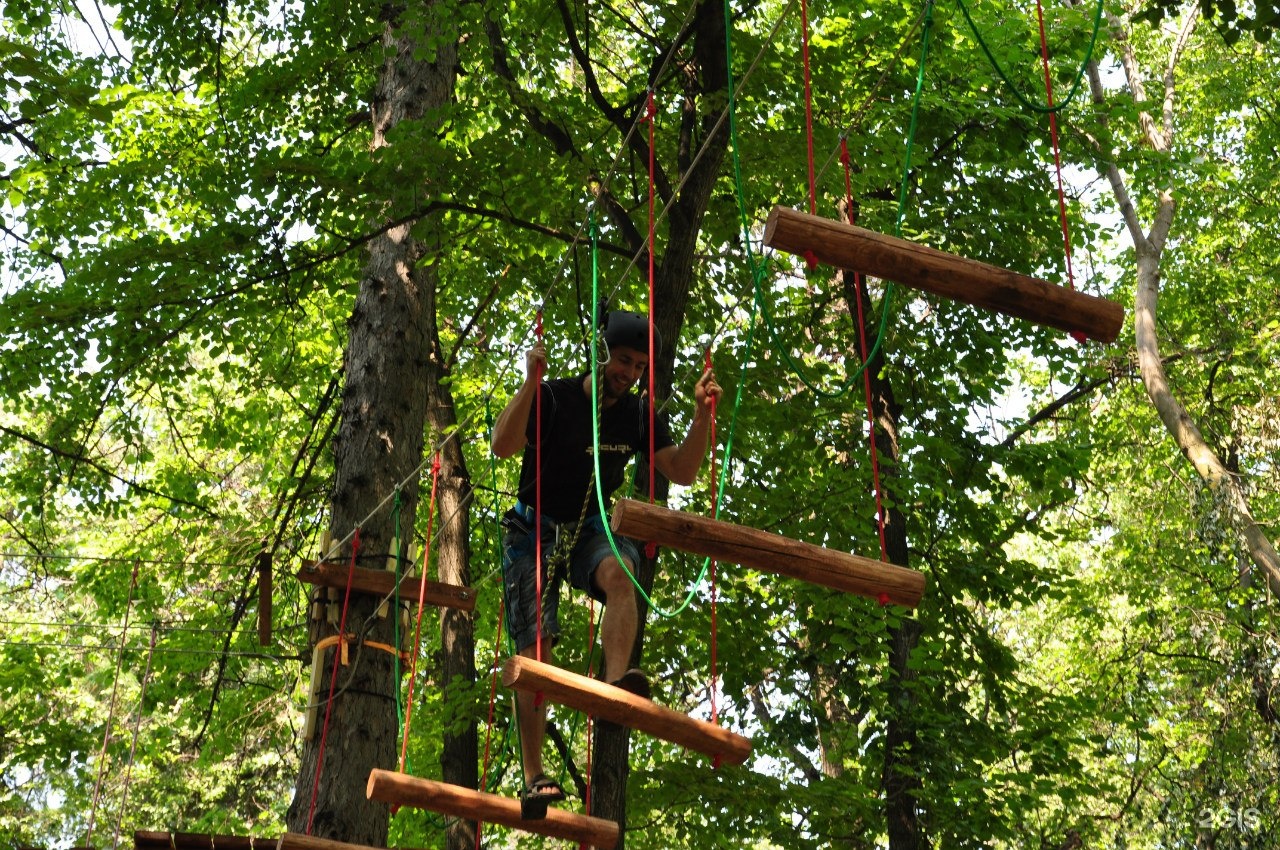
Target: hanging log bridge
{"points": [[383, 583], [401, 790], [624, 708], [848, 246], [767, 552]]}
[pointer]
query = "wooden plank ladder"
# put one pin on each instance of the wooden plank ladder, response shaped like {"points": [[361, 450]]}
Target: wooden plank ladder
{"points": [[399, 789], [848, 246], [767, 552]]}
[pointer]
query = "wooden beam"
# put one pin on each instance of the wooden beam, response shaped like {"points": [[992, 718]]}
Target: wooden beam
{"points": [[298, 841], [624, 708], [771, 553], [848, 246], [382, 583], [144, 840], [401, 790]]}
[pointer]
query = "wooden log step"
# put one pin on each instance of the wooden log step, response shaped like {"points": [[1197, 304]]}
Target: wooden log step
{"points": [[624, 708], [298, 841], [848, 246], [383, 582], [767, 552], [401, 790], [150, 840]]}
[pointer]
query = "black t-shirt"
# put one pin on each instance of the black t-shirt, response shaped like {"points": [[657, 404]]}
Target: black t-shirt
{"points": [[567, 446]]}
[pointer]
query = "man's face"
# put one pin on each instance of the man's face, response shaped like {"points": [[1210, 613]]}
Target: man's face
{"points": [[624, 369]]}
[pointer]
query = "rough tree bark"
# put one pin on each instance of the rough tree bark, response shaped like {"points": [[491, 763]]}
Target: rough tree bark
{"points": [[379, 443], [1148, 248]]}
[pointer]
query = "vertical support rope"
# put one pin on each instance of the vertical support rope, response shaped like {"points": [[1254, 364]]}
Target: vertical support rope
{"points": [[422, 593], [808, 104], [591, 646], [497, 638], [111, 712], [862, 352], [1078, 336], [537, 494], [652, 111], [715, 500], [493, 698], [333, 680], [395, 623], [133, 748]]}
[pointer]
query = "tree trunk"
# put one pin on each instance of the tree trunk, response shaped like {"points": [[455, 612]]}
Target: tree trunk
{"points": [[1148, 248], [900, 776], [673, 277], [1186, 434], [379, 444]]}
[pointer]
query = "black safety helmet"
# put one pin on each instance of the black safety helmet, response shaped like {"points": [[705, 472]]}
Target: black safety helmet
{"points": [[628, 330]]}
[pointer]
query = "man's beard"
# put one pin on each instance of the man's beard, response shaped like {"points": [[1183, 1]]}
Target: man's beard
{"points": [[609, 389]]}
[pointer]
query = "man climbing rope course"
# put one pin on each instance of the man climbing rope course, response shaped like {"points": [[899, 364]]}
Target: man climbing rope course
{"points": [[557, 478]]}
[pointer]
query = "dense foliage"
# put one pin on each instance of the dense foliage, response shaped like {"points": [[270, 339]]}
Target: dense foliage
{"points": [[190, 192]]}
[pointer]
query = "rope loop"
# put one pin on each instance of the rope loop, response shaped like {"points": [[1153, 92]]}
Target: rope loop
{"points": [[1048, 107]]}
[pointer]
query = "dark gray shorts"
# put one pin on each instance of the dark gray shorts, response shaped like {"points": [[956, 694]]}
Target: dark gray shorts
{"points": [[520, 582]]}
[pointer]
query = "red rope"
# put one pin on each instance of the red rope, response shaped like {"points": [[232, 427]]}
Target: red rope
{"points": [[715, 501], [537, 500], [810, 258], [493, 698], [652, 113], [422, 593], [866, 372], [133, 748], [333, 680], [111, 713], [1078, 336], [591, 643]]}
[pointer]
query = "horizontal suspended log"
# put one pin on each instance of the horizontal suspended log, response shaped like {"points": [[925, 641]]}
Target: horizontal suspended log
{"points": [[298, 841], [848, 246], [767, 552], [383, 582], [145, 840], [402, 790], [624, 708]]}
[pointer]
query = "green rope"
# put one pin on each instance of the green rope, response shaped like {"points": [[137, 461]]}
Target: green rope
{"points": [[395, 521], [911, 135], [595, 434], [757, 274], [496, 776], [1037, 107]]}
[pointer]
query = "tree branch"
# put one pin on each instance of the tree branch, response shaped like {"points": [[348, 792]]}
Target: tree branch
{"points": [[1177, 421], [1079, 391], [79, 458], [560, 140]]}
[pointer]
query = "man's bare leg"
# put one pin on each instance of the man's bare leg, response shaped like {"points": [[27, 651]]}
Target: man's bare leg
{"points": [[531, 720], [621, 621]]}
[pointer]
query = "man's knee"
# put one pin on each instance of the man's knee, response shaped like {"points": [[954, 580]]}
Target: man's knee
{"points": [[612, 579]]}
